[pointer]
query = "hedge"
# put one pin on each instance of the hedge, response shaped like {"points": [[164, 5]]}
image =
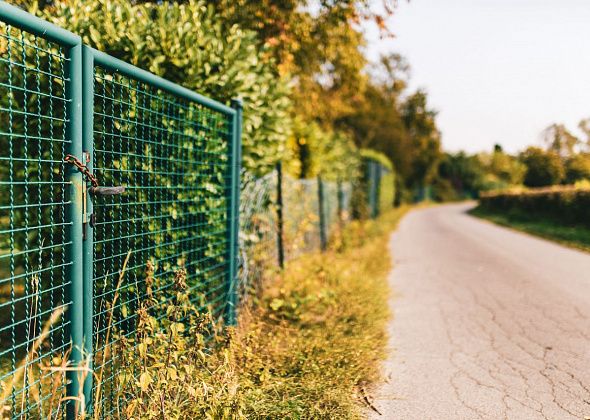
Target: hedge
{"points": [[567, 204]]}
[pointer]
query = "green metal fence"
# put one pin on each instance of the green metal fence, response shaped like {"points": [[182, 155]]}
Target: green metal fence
{"points": [[104, 166], [282, 218], [379, 184]]}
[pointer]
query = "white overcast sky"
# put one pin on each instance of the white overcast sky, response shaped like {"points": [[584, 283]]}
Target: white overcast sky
{"points": [[497, 71]]}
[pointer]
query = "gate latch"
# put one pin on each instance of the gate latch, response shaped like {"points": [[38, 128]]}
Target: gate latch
{"points": [[95, 189], [106, 190]]}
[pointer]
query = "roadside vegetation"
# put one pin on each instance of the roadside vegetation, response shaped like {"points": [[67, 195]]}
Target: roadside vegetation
{"points": [[557, 213], [312, 100], [309, 348], [560, 159]]}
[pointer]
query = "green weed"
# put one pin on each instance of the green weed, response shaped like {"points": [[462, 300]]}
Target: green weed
{"points": [[308, 349]]}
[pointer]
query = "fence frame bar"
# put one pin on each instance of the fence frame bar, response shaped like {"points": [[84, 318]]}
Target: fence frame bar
{"points": [[322, 215], [114, 64], [74, 273], [19, 18], [72, 44], [88, 245], [233, 214], [340, 200], [280, 220]]}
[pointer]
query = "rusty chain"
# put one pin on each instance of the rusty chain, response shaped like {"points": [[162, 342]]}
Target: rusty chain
{"points": [[73, 160]]}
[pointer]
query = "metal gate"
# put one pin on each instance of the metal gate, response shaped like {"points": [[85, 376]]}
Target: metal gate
{"points": [[103, 167]]}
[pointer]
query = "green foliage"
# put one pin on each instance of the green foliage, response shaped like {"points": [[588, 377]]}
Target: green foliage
{"points": [[420, 124], [505, 170], [543, 167], [565, 205], [378, 157], [558, 139], [320, 335], [315, 151], [575, 236], [577, 168], [176, 367], [188, 43], [388, 191], [460, 175], [464, 176], [399, 124]]}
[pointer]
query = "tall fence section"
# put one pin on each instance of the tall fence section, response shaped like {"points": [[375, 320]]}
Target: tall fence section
{"points": [[106, 170], [117, 187]]}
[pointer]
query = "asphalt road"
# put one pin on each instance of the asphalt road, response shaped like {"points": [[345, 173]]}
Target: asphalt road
{"points": [[488, 323]]}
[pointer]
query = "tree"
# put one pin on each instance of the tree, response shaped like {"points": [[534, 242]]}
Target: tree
{"points": [[560, 140], [584, 126], [577, 168], [464, 173], [507, 169], [420, 124], [544, 168]]}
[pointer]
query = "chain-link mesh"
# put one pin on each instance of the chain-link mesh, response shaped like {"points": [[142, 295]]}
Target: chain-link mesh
{"points": [[258, 231], [172, 156], [33, 297]]}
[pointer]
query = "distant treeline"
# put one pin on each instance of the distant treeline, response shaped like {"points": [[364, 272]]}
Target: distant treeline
{"points": [[563, 159]]}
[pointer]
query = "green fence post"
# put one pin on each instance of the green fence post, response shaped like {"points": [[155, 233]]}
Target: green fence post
{"points": [[280, 239], [371, 187], [340, 199], [394, 186], [378, 176], [88, 245], [322, 215], [233, 214], [75, 231]]}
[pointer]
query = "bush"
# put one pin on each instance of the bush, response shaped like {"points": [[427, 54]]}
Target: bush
{"points": [[578, 168], [568, 204], [189, 44], [544, 168]]}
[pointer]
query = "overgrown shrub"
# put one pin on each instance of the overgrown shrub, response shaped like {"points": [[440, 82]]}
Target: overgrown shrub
{"points": [[187, 43], [569, 205], [313, 151]]}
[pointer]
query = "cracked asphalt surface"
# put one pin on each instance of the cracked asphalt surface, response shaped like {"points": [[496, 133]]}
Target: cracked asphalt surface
{"points": [[488, 323]]}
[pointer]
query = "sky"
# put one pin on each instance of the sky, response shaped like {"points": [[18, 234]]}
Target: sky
{"points": [[497, 71]]}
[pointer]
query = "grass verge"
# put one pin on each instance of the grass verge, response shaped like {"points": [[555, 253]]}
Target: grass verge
{"points": [[308, 349], [319, 335], [569, 235]]}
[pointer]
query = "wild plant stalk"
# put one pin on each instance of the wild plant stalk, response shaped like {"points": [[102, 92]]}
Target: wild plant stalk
{"points": [[105, 353], [31, 327], [20, 370]]}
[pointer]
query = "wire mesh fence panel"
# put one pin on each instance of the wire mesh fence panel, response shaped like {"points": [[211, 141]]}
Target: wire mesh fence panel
{"points": [[330, 204], [387, 190], [301, 214], [346, 189], [34, 336], [173, 156], [258, 231]]}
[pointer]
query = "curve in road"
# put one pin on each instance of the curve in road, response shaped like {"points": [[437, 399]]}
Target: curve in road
{"points": [[488, 323]]}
